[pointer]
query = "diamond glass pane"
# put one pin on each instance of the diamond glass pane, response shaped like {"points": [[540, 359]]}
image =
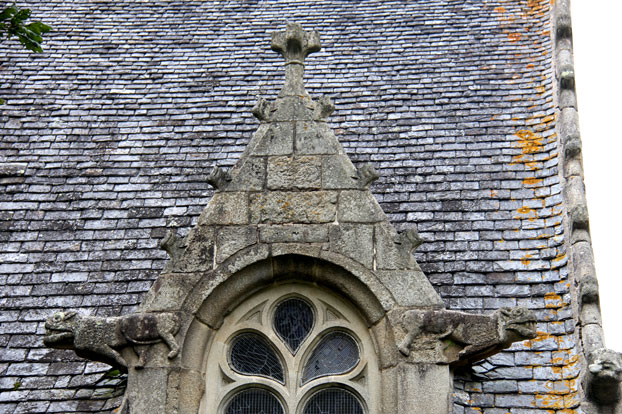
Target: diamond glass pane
{"points": [[251, 354], [293, 321], [254, 401], [333, 401], [337, 353]]}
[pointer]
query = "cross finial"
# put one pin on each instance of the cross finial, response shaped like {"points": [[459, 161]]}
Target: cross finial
{"points": [[295, 45]]}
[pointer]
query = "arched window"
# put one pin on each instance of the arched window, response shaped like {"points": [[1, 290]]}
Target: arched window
{"points": [[292, 349]]}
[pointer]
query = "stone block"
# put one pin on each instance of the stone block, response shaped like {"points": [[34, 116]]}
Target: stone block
{"points": [[390, 253], [338, 173], [199, 255], [276, 138], [230, 240], [424, 388], [293, 108], [410, 288], [354, 241], [293, 233], [314, 138], [168, 292], [293, 207], [291, 173], [249, 175], [145, 390], [359, 207], [225, 208]]}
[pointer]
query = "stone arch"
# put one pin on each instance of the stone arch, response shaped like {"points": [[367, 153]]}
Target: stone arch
{"points": [[261, 275]]}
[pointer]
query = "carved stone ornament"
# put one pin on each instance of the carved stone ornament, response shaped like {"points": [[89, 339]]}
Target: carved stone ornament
{"points": [[101, 339], [604, 377], [468, 337], [295, 212]]}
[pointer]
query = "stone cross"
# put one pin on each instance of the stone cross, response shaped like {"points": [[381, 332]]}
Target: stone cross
{"points": [[295, 44]]}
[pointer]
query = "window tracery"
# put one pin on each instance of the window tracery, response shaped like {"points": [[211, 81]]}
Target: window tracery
{"points": [[292, 349]]}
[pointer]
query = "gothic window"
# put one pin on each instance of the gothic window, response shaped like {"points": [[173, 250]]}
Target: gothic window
{"points": [[292, 349]]}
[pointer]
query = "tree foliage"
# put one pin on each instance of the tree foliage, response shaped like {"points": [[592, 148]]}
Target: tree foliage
{"points": [[12, 24]]}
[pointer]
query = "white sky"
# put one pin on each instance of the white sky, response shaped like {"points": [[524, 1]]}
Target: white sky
{"points": [[597, 33]]}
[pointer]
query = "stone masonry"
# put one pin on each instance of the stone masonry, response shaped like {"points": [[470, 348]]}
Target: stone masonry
{"points": [[109, 137]]}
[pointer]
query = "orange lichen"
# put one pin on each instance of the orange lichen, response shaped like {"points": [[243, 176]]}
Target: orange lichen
{"points": [[532, 181], [525, 259], [500, 9], [514, 37]]}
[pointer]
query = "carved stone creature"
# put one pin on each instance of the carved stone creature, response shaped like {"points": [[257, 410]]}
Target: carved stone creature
{"points": [[218, 178], [101, 338], [367, 174], [478, 335], [604, 376], [410, 239], [173, 245]]}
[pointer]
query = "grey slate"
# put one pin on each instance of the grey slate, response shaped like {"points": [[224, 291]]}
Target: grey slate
{"points": [[121, 119]]}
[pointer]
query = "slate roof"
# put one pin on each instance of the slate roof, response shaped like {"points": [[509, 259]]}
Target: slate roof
{"points": [[109, 135]]}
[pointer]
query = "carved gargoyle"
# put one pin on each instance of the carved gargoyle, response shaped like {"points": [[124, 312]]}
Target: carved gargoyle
{"points": [[101, 339], [479, 336], [604, 376]]}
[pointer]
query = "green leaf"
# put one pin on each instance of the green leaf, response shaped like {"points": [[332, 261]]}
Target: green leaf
{"points": [[8, 12]]}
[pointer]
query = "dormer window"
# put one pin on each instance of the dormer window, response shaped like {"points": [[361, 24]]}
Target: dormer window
{"points": [[292, 349]]}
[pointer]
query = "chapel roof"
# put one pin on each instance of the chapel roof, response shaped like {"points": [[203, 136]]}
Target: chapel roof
{"points": [[108, 138]]}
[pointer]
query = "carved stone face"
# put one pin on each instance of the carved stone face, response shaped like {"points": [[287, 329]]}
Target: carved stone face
{"points": [[59, 330], [519, 322]]}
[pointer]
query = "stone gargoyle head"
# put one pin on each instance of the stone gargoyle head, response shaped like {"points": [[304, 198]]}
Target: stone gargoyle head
{"points": [[59, 330], [518, 324]]}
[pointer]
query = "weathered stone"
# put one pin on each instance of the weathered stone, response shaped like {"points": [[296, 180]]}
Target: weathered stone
{"points": [[200, 251], [226, 209], [230, 240], [249, 175], [366, 174], [604, 376], [168, 291], [174, 246], [359, 207], [313, 138], [470, 337], [324, 108], [410, 288], [290, 173], [390, 253], [146, 391], [423, 388], [101, 338], [219, 178], [293, 233], [293, 207], [354, 241], [262, 110], [338, 173], [276, 138], [289, 109]]}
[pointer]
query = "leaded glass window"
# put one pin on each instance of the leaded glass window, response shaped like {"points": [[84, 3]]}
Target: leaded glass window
{"points": [[293, 320], [293, 349]]}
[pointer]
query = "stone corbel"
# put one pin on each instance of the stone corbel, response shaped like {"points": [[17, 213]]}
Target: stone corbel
{"points": [[103, 339], [467, 337]]}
